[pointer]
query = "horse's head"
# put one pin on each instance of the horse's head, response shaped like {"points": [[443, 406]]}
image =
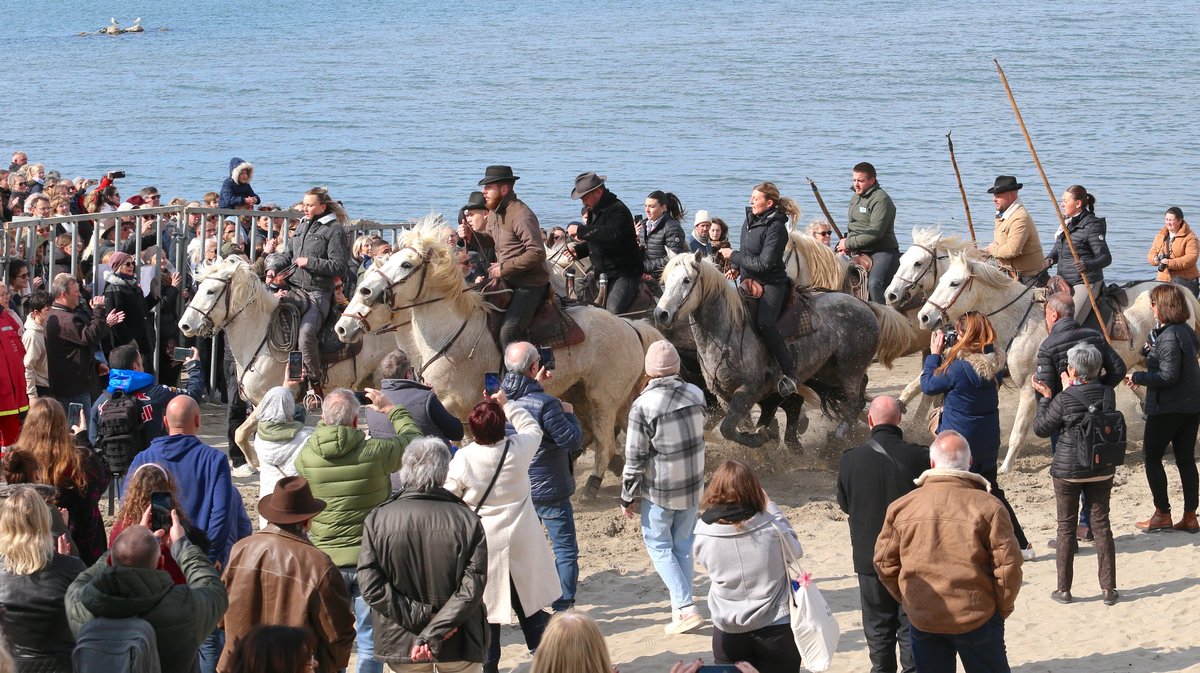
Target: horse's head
{"points": [[225, 291], [680, 279], [918, 271], [369, 307], [953, 295]]}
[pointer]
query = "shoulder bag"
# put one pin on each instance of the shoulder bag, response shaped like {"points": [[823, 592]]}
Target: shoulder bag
{"points": [[499, 466]]}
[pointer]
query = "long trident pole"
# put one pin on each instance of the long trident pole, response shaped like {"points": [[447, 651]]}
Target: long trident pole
{"points": [[824, 209], [966, 206], [1062, 223]]}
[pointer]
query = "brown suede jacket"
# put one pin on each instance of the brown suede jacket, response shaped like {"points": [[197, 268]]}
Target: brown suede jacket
{"points": [[512, 229], [275, 577], [947, 552]]}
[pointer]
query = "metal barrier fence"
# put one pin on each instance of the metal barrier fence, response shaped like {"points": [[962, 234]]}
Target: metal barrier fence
{"points": [[181, 233]]}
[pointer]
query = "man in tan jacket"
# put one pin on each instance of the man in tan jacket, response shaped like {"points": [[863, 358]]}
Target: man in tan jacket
{"points": [[957, 596], [1016, 244]]}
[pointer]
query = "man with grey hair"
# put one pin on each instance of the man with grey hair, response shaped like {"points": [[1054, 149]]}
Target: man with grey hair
{"points": [[351, 474], [423, 568], [957, 596], [398, 383], [552, 470], [73, 336]]}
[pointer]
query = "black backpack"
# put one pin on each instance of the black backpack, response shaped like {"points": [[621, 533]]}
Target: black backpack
{"points": [[1100, 434], [121, 433]]}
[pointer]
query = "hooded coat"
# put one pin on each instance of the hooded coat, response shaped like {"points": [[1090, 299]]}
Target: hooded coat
{"points": [[551, 476], [182, 615], [972, 406], [234, 193], [154, 398], [1181, 254], [351, 474], [14, 395]]}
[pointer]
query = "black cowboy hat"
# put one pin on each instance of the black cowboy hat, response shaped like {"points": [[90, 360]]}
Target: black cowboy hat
{"points": [[586, 182], [292, 501], [497, 174], [475, 202], [1005, 183]]}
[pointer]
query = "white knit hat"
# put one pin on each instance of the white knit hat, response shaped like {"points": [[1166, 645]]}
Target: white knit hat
{"points": [[701, 217]]}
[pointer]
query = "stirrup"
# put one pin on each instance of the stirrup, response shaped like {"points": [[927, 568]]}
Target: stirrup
{"points": [[313, 398], [786, 386]]}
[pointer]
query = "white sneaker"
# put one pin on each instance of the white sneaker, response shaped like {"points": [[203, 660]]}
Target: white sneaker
{"points": [[1028, 554], [684, 621], [245, 470]]}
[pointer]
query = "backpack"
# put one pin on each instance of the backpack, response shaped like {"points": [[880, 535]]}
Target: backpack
{"points": [[1100, 434], [116, 646], [120, 430]]}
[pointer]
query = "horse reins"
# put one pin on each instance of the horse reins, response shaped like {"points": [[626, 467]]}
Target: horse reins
{"points": [[913, 283]]}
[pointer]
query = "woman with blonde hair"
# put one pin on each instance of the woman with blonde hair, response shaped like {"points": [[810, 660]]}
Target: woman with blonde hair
{"points": [[572, 643], [964, 367], [740, 541], [78, 474], [761, 266], [35, 571]]}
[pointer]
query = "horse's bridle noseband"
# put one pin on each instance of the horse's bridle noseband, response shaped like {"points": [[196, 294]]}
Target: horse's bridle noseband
{"points": [[387, 296], [209, 324], [913, 283]]}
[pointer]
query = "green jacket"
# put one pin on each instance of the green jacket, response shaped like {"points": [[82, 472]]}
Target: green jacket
{"points": [[872, 226], [352, 474], [182, 615]]}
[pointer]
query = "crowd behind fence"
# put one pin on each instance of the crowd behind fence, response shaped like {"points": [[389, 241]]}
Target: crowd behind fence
{"points": [[181, 234]]}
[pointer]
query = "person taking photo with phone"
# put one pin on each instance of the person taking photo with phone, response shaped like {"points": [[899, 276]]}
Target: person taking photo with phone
{"points": [[127, 375]]}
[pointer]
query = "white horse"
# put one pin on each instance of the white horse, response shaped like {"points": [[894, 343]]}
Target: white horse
{"points": [[230, 297], [1018, 315], [449, 336]]}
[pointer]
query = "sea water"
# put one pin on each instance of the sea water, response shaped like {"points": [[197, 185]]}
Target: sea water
{"points": [[397, 107]]}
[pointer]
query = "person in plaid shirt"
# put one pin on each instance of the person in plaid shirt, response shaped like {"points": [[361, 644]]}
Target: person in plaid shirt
{"points": [[664, 464]]}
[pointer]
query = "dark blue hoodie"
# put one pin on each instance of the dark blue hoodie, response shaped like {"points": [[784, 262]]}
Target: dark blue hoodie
{"points": [[206, 489], [154, 398], [234, 193]]}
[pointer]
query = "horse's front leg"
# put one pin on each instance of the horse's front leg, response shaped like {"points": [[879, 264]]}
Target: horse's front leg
{"points": [[797, 422], [739, 409], [1025, 413]]}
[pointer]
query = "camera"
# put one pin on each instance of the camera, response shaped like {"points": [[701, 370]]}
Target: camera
{"points": [[116, 175], [951, 337], [1161, 260]]}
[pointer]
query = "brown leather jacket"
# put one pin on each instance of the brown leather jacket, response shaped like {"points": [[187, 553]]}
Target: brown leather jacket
{"points": [[949, 588], [275, 577], [512, 229]]}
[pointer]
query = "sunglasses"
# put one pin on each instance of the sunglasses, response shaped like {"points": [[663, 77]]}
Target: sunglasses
{"points": [[824, 233]]}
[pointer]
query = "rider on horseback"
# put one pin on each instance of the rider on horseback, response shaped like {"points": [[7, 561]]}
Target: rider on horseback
{"points": [[609, 239], [514, 234], [320, 251], [764, 239], [1016, 245]]}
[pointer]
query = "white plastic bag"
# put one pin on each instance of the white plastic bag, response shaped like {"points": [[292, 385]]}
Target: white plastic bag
{"points": [[813, 624]]}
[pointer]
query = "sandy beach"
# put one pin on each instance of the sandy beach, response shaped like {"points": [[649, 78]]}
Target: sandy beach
{"points": [[1151, 630]]}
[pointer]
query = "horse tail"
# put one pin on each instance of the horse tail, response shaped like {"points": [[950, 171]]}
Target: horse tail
{"points": [[895, 333], [834, 401]]}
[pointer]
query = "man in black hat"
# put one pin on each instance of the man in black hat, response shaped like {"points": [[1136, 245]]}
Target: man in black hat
{"points": [[472, 218], [1015, 243], [610, 239], [276, 576], [512, 230]]}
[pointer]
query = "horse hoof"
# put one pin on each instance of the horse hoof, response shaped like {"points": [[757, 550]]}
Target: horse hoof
{"points": [[840, 431], [591, 491], [1004, 468]]}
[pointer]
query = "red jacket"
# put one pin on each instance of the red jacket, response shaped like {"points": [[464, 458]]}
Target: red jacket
{"points": [[13, 398]]}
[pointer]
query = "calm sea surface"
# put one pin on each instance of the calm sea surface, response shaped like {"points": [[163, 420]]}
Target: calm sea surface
{"points": [[398, 106]]}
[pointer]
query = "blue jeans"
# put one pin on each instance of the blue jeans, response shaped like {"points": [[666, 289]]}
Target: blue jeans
{"points": [[981, 650], [669, 534], [362, 625], [210, 651], [559, 520]]}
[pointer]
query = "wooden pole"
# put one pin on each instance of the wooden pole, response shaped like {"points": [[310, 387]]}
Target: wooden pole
{"points": [[821, 202], [1062, 223], [966, 206]]}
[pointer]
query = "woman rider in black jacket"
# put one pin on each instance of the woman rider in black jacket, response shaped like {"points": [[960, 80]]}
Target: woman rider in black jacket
{"points": [[764, 240], [1087, 235]]}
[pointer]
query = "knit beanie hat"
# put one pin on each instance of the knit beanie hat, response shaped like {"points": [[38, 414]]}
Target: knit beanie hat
{"points": [[116, 259], [662, 359]]}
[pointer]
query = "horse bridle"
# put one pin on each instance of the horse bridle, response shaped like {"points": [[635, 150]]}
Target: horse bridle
{"points": [[387, 296], [913, 283], [209, 324]]}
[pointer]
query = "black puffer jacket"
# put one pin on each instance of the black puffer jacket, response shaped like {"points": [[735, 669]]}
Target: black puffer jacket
{"points": [[327, 246], [422, 569], [1052, 354], [1088, 234], [35, 620], [764, 239], [1063, 413], [1172, 377], [668, 235], [609, 239]]}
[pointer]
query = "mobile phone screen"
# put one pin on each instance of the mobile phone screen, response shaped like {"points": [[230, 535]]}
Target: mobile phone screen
{"points": [[295, 365], [73, 411], [362, 397], [547, 357], [160, 506], [491, 382], [182, 354], [718, 668]]}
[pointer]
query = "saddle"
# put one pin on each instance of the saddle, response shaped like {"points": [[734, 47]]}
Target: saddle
{"points": [[1112, 301], [552, 326], [795, 318], [284, 331]]}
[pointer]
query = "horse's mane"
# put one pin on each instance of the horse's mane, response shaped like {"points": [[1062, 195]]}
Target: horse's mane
{"points": [[442, 274], [934, 238], [229, 267], [824, 268], [989, 275], [713, 286]]}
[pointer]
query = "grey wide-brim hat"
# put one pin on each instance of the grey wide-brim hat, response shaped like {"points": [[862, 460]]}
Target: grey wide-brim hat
{"points": [[586, 182]]}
